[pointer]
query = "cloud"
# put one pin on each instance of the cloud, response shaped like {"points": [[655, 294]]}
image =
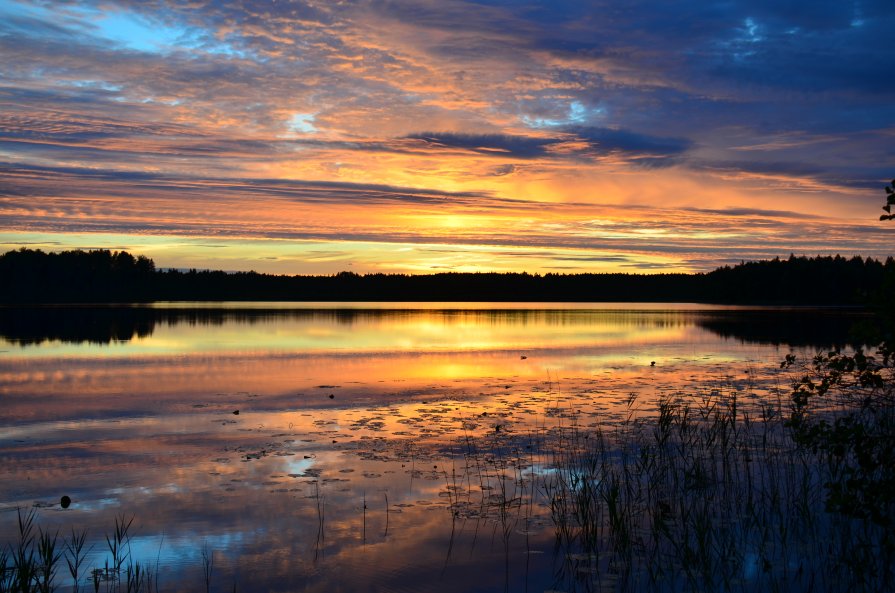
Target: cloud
{"points": [[503, 145], [77, 201], [631, 142], [498, 113], [755, 212], [70, 182], [574, 142]]}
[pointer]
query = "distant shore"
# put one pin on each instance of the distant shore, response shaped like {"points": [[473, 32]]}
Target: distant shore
{"points": [[102, 276]]}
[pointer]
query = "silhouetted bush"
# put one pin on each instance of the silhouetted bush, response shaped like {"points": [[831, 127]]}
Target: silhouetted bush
{"points": [[843, 410]]}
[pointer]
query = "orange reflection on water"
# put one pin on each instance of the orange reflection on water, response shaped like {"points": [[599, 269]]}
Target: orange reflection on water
{"points": [[424, 417]]}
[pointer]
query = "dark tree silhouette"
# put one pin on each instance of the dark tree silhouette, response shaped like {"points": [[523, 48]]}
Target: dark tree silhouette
{"points": [[856, 441], [890, 201], [32, 276]]}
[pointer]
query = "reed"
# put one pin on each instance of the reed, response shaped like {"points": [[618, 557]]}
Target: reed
{"points": [[31, 565], [48, 557], [207, 566], [708, 494], [74, 556], [24, 564]]}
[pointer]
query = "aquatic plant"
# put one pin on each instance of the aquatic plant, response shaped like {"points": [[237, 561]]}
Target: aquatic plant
{"points": [[31, 564], [74, 556], [708, 496]]}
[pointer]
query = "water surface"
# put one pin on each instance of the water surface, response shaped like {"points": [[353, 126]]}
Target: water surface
{"points": [[356, 458]]}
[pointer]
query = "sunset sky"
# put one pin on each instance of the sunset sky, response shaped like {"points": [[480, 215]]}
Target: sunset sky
{"points": [[435, 135]]}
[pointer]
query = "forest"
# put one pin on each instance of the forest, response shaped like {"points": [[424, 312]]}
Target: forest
{"points": [[103, 276]]}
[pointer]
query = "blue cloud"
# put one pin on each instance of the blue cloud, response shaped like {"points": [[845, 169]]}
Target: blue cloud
{"points": [[608, 140], [491, 144], [599, 140]]}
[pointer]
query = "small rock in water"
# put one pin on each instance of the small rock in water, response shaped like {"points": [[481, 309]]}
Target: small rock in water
{"points": [[236, 412], [65, 502]]}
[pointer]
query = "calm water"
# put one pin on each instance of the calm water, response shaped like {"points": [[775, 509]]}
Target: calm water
{"points": [[348, 465]]}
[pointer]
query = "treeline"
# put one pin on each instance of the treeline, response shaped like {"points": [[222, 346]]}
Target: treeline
{"points": [[102, 276], [32, 276]]}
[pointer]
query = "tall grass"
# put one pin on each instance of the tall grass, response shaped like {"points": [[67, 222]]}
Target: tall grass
{"points": [[707, 496], [30, 565], [74, 556]]}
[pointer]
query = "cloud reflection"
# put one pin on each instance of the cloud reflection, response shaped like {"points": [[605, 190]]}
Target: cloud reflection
{"points": [[433, 419]]}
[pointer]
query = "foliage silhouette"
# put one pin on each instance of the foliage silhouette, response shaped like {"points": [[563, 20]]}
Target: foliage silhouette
{"points": [[843, 409], [32, 276], [890, 201], [76, 276]]}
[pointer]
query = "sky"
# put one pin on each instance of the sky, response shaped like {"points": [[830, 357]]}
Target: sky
{"points": [[398, 136]]}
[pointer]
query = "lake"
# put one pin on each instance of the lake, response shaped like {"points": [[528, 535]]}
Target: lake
{"points": [[348, 446]]}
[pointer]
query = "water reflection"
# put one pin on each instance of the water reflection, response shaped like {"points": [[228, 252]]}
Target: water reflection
{"points": [[373, 449], [26, 326]]}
